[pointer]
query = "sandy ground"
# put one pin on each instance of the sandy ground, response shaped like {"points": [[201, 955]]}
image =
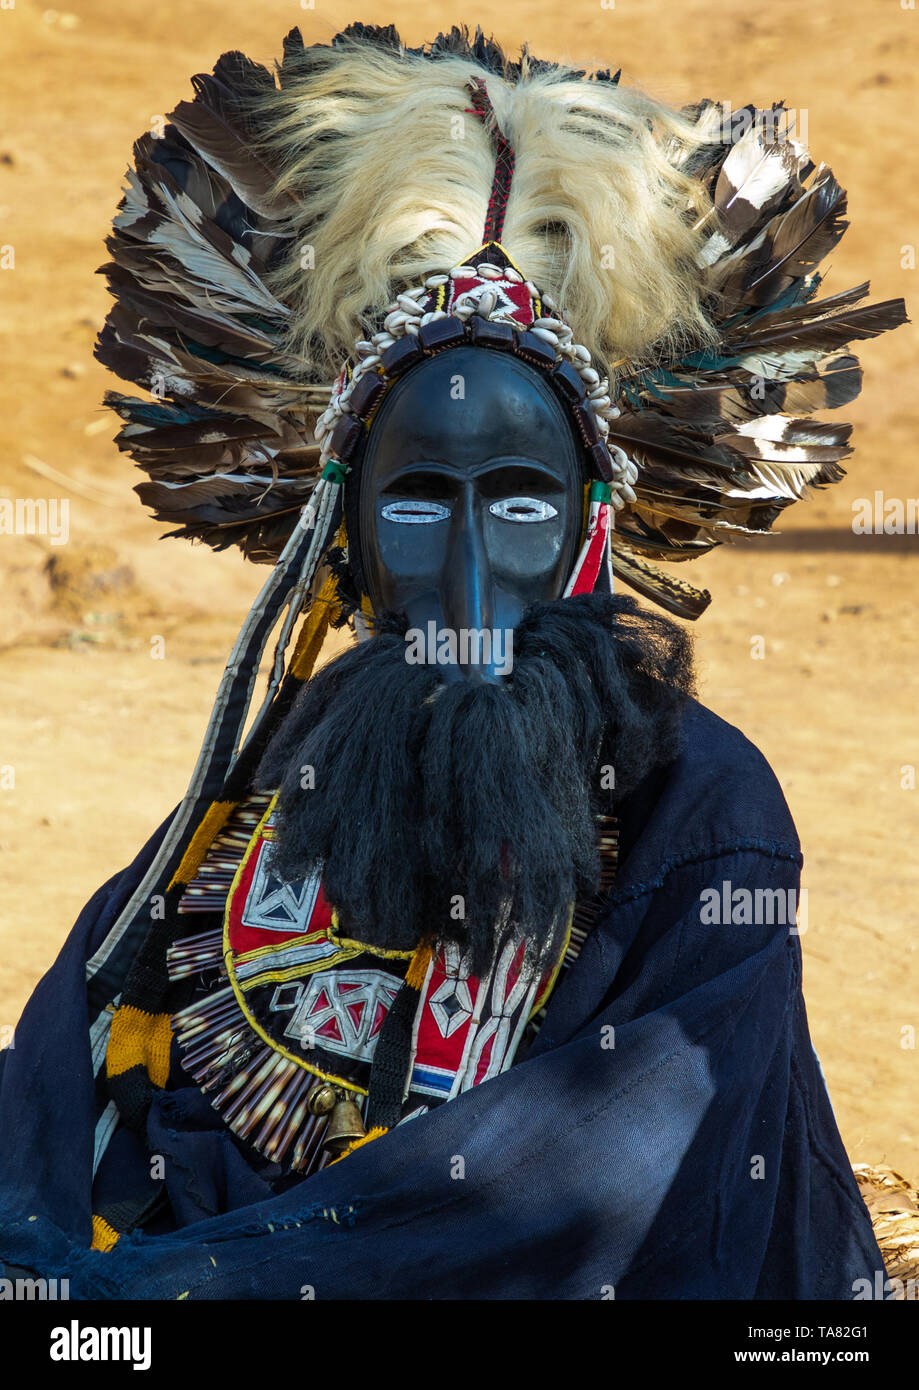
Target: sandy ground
{"points": [[100, 723]]}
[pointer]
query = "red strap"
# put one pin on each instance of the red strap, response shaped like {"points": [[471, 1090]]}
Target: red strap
{"points": [[504, 161], [590, 566]]}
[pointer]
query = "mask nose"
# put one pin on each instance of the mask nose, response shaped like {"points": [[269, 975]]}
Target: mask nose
{"points": [[467, 593]]}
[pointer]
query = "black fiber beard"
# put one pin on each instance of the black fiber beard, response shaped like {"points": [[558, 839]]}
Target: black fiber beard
{"points": [[430, 808]]}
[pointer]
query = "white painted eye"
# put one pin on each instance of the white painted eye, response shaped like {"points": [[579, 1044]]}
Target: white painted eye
{"points": [[415, 513], [523, 509]]}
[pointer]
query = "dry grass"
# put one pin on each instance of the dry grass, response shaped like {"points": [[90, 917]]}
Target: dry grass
{"points": [[894, 1207]]}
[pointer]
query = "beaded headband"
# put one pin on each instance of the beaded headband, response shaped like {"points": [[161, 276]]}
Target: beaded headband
{"points": [[488, 304]]}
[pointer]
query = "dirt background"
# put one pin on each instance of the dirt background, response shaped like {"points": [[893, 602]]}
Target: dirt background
{"points": [[101, 734]]}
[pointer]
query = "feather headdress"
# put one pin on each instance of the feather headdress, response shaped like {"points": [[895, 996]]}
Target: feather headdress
{"points": [[291, 243], [278, 219]]}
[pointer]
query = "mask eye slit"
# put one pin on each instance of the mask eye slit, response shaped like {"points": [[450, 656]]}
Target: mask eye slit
{"points": [[523, 509], [415, 512]]}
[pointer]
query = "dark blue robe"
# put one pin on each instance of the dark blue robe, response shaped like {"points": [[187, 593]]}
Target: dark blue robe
{"points": [[668, 1136]]}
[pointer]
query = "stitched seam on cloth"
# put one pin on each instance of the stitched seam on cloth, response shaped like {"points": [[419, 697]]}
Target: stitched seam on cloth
{"points": [[812, 1134], [665, 987], [786, 1025], [78, 1265], [854, 1203], [822, 1157], [342, 1214], [770, 849]]}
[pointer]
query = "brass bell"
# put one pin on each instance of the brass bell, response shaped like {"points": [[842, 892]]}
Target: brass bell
{"points": [[323, 1099], [344, 1126]]}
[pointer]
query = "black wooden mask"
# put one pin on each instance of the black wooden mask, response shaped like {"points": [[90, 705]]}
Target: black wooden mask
{"points": [[470, 499]]}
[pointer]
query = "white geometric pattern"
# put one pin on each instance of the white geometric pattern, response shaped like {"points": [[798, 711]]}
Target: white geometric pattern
{"points": [[451, 1006], [275, 906], [342, 1011], [505, 306]]}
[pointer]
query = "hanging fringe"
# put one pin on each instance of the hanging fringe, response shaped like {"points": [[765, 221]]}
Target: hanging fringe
{"points": [[195, 954], [289, 580], [261, 1094], [130, 962], [324, 511], [207, 889], [316, 626]]}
